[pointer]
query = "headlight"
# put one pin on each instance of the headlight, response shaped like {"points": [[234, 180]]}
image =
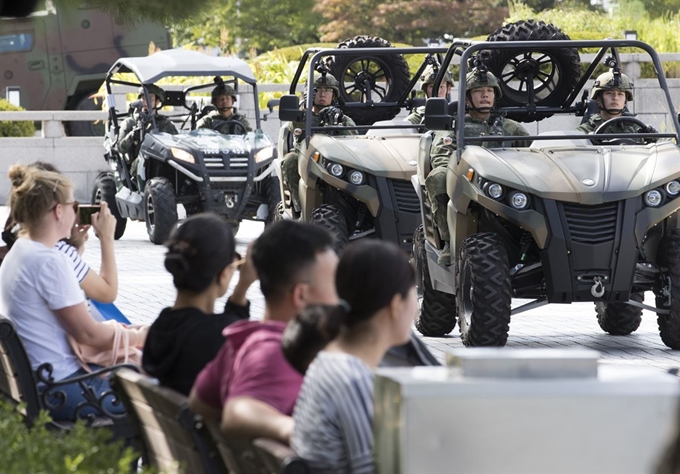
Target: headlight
{"points": [[653, 198], [336, 170], [495, 191], [357, 177], [519, 200], [673, 188], [183, 155], [264, 154]]}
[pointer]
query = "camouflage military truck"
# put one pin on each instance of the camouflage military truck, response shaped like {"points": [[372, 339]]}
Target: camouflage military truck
{"points": [[357, 185], [570, 218], [57, 60], [227, 170]]}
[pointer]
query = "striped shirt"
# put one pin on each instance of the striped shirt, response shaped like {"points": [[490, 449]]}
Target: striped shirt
{"points": [[334, 415], [79, 266]]}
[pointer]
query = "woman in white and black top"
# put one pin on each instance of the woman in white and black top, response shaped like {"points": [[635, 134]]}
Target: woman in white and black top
{"points": [[334, 411]]}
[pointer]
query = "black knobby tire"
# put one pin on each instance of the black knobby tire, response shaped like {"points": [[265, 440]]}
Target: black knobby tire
{"points": [[86, 101], [273, 194], [160, 209], [669, 257], [334, 220], [558, 70], [620, 319], [484, 291], [438, 309], [279, 212], [388, 75], [105, 190]]}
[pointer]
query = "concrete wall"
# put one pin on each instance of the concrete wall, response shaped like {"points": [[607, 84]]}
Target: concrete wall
{"points": [[82, 158]]}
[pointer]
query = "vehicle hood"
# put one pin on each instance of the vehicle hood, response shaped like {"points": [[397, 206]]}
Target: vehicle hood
{"points": [[211, 141], [587, 175], [388, 156]]}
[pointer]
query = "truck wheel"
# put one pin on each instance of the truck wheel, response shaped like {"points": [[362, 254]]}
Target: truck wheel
{"points": [[669, 257], [85, 101], [279, 212], [105, 190], [273, 193], [334, 220], [438, 309], [484, 291], [555, 71], [387, 74], [620, 319], [160, 209]]}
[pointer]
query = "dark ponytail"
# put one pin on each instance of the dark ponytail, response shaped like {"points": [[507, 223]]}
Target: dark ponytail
{"points": [[198, 250], [309, 332]]}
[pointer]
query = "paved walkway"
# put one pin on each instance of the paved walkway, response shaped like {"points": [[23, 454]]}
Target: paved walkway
{"points": [[145, 287]]}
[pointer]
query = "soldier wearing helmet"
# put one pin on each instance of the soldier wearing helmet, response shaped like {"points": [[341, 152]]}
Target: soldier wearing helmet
{"points": [[611, 91], [325, 112], [223, 98], [138, 123], [482, 91], [427, 82]]}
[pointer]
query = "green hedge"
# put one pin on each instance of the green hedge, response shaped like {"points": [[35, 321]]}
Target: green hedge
{"points": [[13, 128], [39, 450]]}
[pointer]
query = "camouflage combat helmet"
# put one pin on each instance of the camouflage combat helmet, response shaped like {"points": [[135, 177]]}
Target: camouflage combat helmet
{"points": [[155, 90], [326, 80], [429, 75], [607, 82], [475, 79], [222, 89]]}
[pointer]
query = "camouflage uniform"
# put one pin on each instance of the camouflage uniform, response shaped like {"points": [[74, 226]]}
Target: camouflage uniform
{"points": [[417, 115], [289, 163], [608, 82], [130, 133], [596, 120], [435, 182], [214, 119]]}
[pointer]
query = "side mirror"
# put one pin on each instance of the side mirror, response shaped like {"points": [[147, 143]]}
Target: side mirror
{"points": [[437, 114], [271, 104], [289, 109]]}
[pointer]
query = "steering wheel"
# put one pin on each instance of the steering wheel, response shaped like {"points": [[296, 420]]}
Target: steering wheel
{"points": [[604, 128], [230, 127]]}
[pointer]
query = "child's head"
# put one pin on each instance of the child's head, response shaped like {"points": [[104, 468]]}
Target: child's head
{"points": [[200, 252]]}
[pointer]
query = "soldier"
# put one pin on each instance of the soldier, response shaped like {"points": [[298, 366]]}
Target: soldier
{"points": [[223, 98], [482, 91], [416, 117], [131, 130], [324, 113], [612, 90]]}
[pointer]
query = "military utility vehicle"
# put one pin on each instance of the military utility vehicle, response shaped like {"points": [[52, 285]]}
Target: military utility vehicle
{"points": [[229, 173], [572, 218], [357, 185], [57, 60]]}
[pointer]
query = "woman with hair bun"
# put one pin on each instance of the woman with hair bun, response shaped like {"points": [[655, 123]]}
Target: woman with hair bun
{"points": [[202, 259], [39, 291], [334, 411]]}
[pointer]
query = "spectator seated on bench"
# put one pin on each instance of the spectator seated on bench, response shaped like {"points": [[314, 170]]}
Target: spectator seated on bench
{"points": [[19, 386], [378, 303], [39, 292]]}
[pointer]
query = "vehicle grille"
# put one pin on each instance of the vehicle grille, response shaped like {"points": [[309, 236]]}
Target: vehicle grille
{"points": [[406, 197], [592, 224], [232, 165]]}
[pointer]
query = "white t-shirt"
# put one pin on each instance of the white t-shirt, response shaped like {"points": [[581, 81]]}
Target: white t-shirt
{"points": [[36, 280]]}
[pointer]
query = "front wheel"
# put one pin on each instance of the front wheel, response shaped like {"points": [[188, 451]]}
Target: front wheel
{"points": [[484, 291], [438, 309], [160, 209], [334, 220], [620, 319], [273, 195], [105, 190], [669, 257]]}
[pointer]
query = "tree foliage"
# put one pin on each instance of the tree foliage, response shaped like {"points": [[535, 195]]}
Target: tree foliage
{"points": [[409, 21], [244, 25]]}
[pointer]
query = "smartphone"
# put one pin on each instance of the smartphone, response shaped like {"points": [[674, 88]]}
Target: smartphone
{"points": [[85, 212]]}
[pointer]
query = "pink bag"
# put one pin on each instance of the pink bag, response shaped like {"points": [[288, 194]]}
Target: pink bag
{"points": [[120, 353]]}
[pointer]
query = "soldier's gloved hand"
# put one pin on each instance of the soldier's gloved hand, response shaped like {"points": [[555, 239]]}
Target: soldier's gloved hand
{"points": [[331, 115], [649, 129]]}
